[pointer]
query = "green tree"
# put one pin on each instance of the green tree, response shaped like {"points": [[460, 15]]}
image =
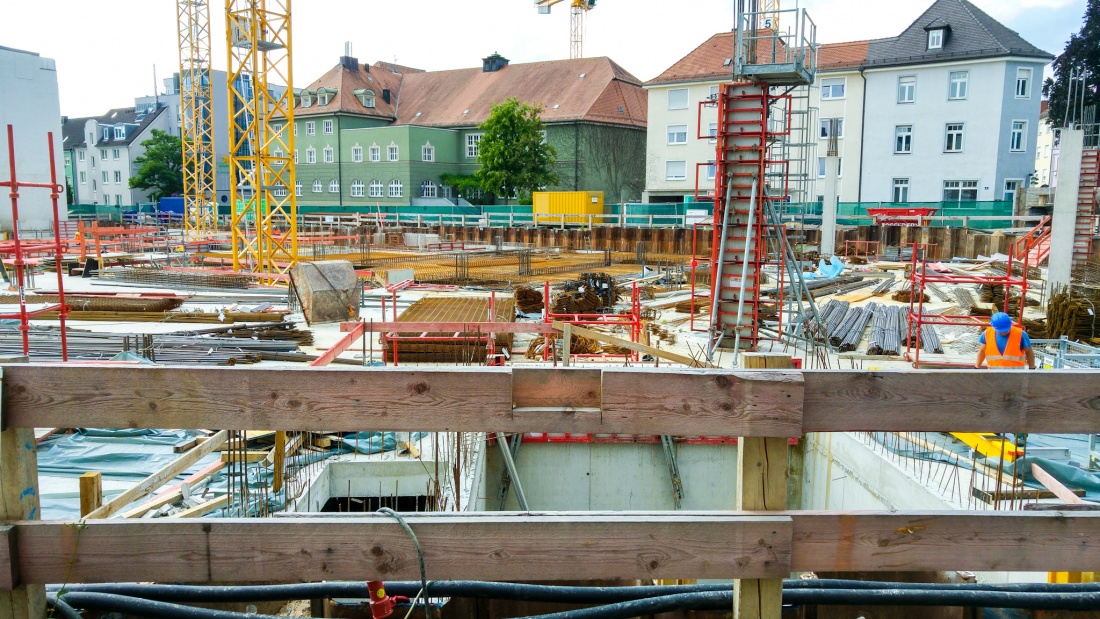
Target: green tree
{"points": [[69, 197], [1082, 58], [513, 154], [160, 168]]}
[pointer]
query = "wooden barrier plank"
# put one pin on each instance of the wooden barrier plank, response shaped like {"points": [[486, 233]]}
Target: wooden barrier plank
{"points": [[946, 540], [9, 559], [374, 547], [573, 388], [704, 402], [1049, 401]]}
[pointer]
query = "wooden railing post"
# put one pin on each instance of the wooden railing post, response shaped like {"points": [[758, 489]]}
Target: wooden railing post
{"points": [[761, 485], [19, 501], [91, 492]]}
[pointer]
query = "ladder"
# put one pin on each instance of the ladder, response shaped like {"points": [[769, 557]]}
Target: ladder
{"points": [[1085, 226]]}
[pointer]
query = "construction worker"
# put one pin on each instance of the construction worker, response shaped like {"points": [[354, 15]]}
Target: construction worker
{"points": [[1004, 346]]}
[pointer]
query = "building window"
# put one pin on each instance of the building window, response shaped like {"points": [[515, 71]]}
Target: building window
{"points": [[903, 139], [712, 131], [375, 153], [1011, 187], [473, 145], [821, 167], [278, 152], [427, 189], [318, 187], [907, 89], [326, 127], [395, 189], [958, 84], [323, 98], [80, 155], [901, 190], [366, 97], [116, 154], [376, 189], [106, 178], [357, 187], [106, 133], [935, 39], [675, 170], [678, 99], [427, 153], [1023, 83], [710, 170], [118, 200], [827, 122], [103, 154], [311, 128], [713, 95], [295, 129], [327, 154], [298, 188], [357, 153], [118, 177], [120, 133], [280, 192], [677, 134], [307, 99], [83, 178], [392, 152], [295, 155], [311, 155], [1016, 142], [960, 191], [334, 186], [954, 138], [833, 88]]}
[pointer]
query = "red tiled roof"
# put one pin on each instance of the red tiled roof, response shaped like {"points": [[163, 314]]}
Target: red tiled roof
{"points": [[849, 55], [346, 81], [464, 97]]}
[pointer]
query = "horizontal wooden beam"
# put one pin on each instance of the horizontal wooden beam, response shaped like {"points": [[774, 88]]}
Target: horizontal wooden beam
{"points": [[375, 547], [653, 401], [549, 546], [1047, 401]]}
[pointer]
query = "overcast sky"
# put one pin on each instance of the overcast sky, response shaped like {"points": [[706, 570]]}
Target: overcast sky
{"points": [[106, 49]]}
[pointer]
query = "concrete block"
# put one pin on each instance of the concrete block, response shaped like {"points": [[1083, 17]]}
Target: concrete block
{"points": [[328, 291]]}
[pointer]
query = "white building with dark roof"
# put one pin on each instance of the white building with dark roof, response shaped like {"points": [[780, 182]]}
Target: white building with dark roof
{"points": [[103, 150], [31, 105]]}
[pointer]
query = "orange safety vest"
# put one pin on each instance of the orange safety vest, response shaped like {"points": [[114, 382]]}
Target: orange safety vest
{"points": [[1012, 357]]}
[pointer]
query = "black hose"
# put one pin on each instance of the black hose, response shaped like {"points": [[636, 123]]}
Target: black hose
{"points": [[61, 609], [148, 608], [917, 597], [226, 593]]}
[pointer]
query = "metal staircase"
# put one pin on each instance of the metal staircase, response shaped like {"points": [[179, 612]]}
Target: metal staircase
{"points": [[1085, 227]]}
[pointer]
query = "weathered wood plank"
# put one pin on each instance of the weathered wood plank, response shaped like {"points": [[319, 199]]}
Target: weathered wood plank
{"points": [[374, 547], [635, 346], [704, 402], [1055, 486], [91, 492], [572, 388], [927, 541], [1050, 401], [9, 559]]}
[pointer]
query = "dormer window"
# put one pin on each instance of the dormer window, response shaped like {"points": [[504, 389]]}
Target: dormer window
{"points": [[120, 133], [323, 97], [366, 97], [106, 133], [935, 38], [307, 99]]}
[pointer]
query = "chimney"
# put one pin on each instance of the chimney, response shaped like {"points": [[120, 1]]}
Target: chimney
{"points": [[386, 95], [349, 62], [493, 63]]}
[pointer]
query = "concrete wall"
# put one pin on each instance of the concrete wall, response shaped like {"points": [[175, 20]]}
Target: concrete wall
{"points": [[30, 104]]}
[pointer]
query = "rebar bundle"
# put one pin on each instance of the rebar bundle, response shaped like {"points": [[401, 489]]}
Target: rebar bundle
{"points": [[850, 332], [887, 327], [528, 300], [965, 300], [884, 287], [83, 303], [181, 280]]}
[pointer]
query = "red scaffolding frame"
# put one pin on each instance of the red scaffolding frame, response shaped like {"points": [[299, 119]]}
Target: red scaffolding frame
{"points": [[14, 184], [633, 321]]}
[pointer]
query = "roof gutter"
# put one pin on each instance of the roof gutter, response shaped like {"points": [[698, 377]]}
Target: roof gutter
{"points": [[862, 133]]}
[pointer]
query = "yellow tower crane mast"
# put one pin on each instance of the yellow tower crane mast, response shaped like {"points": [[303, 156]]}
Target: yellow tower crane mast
{"points": [[261, 136], [577, 10], [196, 118]]}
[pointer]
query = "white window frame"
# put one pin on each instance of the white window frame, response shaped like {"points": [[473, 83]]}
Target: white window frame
{"points": [[954, 145], [427, 153], [393, 152], [323, 98], [960, 187], [357, 154], [676, 134], [670, 167], [428, 189], [958, 85], [298, 188], [311, 155], [318, 186], [334, 186], [375, 153], [935, 38], [713, 94], [1015, 192], [903, 139], [678, 98], [907, 89], [823, 131], [900, 185], [326, 126], [115, 153], [358, 188], [118, 200], [311, 127], [473, 145], [118, 177], [327, 155], [80, 155], [106, 177], [307, 99], [712, 131], [280, 191], [376, 188], [295, 155], [828, 88], [1023, 83], [821, 167], [1017, 137], [83, 178], [120, 133], [711, 169], [396, 189], [278, 152], [103, 154]]}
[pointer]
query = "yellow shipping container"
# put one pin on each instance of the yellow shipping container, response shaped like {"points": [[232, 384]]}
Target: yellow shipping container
{"points": [[577, 204]]}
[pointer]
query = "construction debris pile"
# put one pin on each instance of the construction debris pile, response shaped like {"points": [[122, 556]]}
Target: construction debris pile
{"points": [[1073, 314], [528, 300]]}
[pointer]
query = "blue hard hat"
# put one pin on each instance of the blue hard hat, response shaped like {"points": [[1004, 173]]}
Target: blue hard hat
{"points": [[1000, 321]]}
